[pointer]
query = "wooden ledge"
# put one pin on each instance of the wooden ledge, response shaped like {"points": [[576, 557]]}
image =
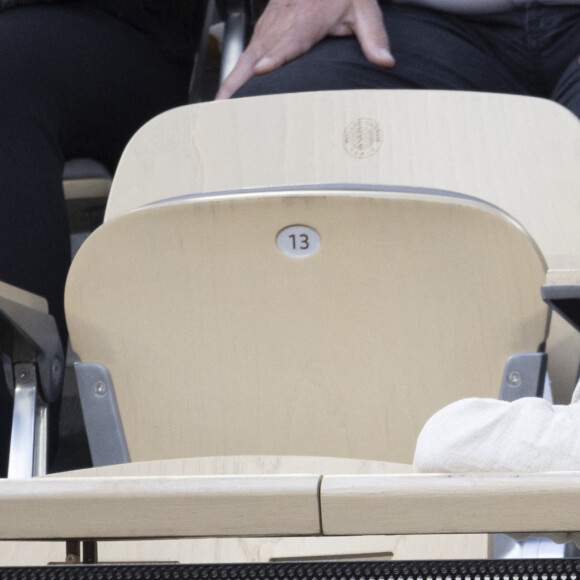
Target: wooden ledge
{"points": [[451, 503], [287, 505], [563, 277], [158, 507]]}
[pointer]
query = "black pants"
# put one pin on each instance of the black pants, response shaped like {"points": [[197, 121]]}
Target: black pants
{"points": [[528, 51], [74, 82]]}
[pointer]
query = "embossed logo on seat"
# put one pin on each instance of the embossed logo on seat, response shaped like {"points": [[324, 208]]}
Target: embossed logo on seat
{"points": [[363, 138]]}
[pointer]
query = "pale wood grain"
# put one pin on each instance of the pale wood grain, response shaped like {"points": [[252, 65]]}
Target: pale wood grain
{"points": [[346, 353], [152, 507], [563, 276], [544, 502], [242, 465], [139, 507], [520, 153], [252, 549]]}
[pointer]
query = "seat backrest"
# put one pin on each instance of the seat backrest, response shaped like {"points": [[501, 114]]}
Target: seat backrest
{"points": [[519, 153], [219, 342]]}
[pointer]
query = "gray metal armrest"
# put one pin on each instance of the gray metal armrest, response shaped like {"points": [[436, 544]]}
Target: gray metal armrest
{"points": [[33, 363], [564, 299]]}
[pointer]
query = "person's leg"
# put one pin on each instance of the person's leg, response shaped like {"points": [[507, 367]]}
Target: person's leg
{"points": [[567, 90], [432, 50], [74, 82], [562, 56]]}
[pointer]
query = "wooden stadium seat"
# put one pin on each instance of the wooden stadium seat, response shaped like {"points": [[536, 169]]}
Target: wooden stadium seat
{"points": [[294, 289], [218, 343], [411, 301], [518, 153]]}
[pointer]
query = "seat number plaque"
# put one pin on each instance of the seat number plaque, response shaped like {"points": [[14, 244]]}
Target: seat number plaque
{"points": [[298, 241]]}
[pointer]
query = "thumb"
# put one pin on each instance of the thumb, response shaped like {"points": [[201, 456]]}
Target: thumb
{"points": [[371, 33]]}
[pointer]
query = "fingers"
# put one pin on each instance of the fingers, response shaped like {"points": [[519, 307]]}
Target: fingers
{"points": [[262, 62], [241, 73], [370, 31], [287, 49], [277, 25], [286, 31], [259, 60]]}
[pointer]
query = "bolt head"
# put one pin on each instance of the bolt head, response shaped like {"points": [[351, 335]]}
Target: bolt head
{"points": [[99, 388], [515, 379]]}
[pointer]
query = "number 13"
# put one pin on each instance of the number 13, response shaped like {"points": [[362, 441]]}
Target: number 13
{"points": [[304, 242]]}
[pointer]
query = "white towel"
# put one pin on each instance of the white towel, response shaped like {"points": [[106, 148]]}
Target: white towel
{"points": [[529, 434]]}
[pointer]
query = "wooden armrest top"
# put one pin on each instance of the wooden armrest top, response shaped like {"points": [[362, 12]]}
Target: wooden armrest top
{"points": [[287, 505], [450, 503], [157, 507], [563, 277]]}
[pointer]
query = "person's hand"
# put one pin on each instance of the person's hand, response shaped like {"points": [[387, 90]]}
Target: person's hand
{"points": [[289, 28]]}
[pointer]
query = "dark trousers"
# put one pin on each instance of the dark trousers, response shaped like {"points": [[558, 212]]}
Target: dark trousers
{"points": [[74, 82], [528, 51]]}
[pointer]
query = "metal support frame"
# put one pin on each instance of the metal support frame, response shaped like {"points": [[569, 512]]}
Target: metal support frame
{"points": [[565, 300], [29, 437], [234, 42], [101, 414], [32, 336], [239, 16], [33, 363], [73, 552], [524, 376], [206, 18]]}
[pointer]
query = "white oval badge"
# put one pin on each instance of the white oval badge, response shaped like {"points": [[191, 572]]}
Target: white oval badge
{"points": [[298, 241]]}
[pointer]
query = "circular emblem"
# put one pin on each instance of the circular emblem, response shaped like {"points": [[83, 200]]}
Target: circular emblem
{"points": [[363, 138]]}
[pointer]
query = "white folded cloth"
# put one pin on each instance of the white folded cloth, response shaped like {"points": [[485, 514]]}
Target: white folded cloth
{"points": [[527, 435]]}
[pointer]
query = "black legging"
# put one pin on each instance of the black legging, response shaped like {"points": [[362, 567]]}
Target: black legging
{"points": [[74, 82]]}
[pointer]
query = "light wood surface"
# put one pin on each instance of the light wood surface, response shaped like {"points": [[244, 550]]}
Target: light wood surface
{"points": [[519, 153], [563, 277], [219, 344], [243, 465], [153, 507], [23, 298], [541, 502], [248, 549], [286, 505]]}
